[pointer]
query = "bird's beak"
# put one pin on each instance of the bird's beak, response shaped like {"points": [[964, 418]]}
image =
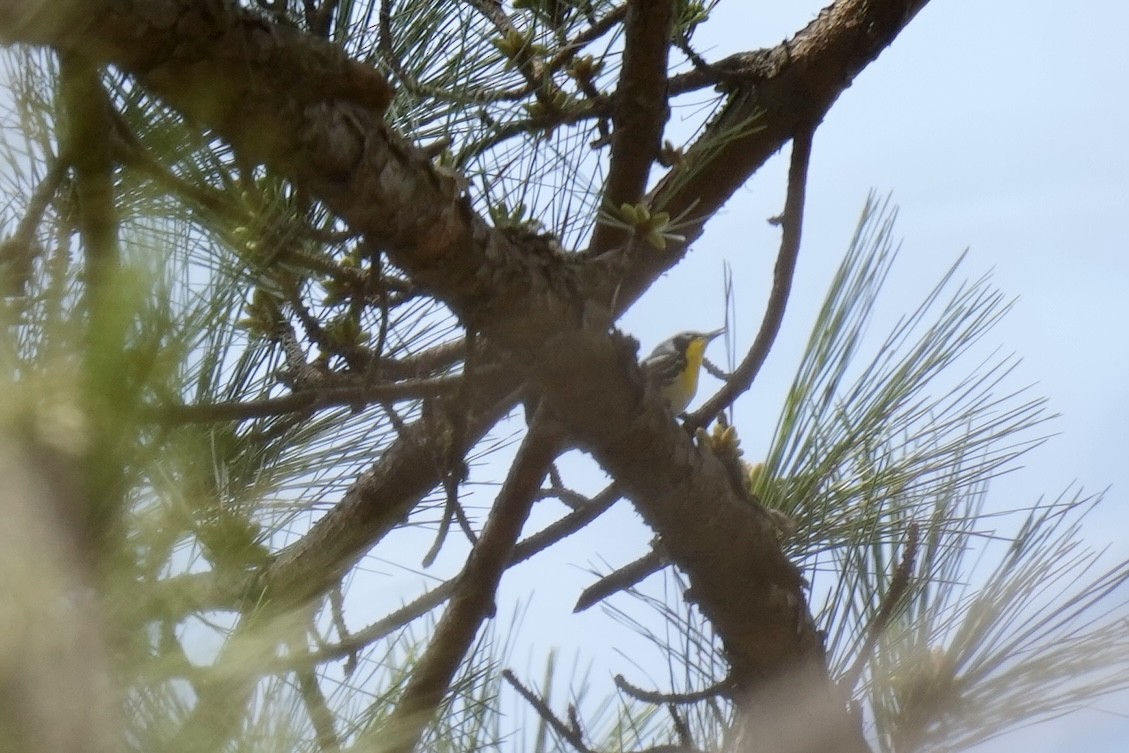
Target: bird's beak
{"points": [[711, 335]]}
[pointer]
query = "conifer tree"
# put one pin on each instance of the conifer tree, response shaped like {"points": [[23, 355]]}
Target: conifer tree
{"points": [[279, 276]]}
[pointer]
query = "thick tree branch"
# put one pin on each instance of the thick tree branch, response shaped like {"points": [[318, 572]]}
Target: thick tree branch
{"points": [[106, 392], [381, 498], [294, 102], [87, 135], [775, 94], [742, 582], [302, 107], [641, 110]]}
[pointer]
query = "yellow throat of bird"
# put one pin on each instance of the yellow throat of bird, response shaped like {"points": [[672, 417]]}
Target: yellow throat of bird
{"points": [[695, 352]]}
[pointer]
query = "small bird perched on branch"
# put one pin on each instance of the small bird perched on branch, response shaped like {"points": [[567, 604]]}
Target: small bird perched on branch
{"points": [[675, 364]]}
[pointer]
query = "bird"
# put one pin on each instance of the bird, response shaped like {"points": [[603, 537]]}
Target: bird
{"points": [[674, 365]]}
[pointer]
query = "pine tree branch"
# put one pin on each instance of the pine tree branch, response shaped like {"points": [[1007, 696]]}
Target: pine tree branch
{"points": [[379, 499], [106, 392], [181, 595], [752, 595], [88, 135], [306, 400], [792, 223], [567, 733], [782, 91], [641, 111], [601, 27], [301, 106], [621, 579], [18, 253], [473, 599]]}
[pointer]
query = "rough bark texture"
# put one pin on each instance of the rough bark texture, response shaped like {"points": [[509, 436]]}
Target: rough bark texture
{"points": [[641, 110], [739, 578]]}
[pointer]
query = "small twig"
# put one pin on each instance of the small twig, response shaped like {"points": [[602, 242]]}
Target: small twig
{"points": [[621, 579], [455, 465], [440, 534], [555, 481], [569, 732], [384, 44], [682, 42], [318, 19], [715, 371], [473, 597], [537, 77], [311, 399], [318, 709], [523, 551], [452, 510], [602, 26], [464, 523], [685, 739], [394, 418], [567, 525], [899, 585], [17, 254], [337, 612], [721, 688], [572, 499], [792, 226]]}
